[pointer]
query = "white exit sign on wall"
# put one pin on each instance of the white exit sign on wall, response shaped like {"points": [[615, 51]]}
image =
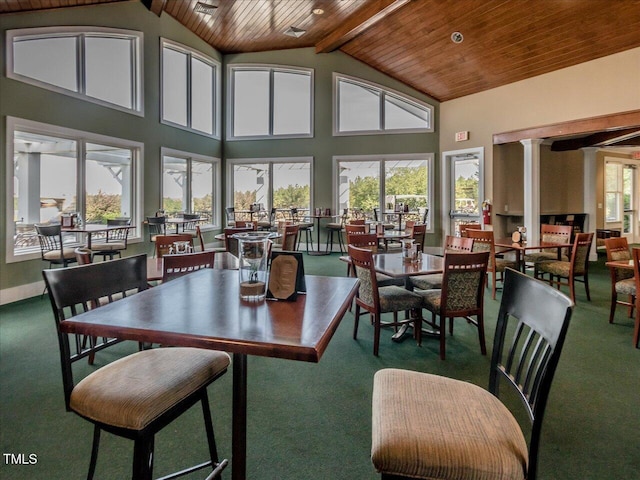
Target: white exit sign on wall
{"points": [[462, 136]]}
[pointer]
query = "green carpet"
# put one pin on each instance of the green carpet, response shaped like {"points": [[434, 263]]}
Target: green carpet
{"points": [[313, 421]]}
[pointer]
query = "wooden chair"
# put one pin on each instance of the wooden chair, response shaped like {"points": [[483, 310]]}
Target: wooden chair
{"points": [[378, 300], [622, 280], [174, 266], [557, 234], [115, 240], [451, 245], [461, 295], [426, 426], [575, 270], [636, 270], [52, 247], [483, 242], [230, 243], [200, 237], [369, 241], [165, 242], [138, 395], [289, 238], [418, 233], [463, 228]]}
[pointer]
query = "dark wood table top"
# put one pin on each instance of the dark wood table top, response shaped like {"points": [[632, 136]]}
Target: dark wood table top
{"points": [[393, 264], [203, 309], [523, 246], [223, 260]]}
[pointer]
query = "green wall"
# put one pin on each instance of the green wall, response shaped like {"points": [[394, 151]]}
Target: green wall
{"points": [[32, 103]]}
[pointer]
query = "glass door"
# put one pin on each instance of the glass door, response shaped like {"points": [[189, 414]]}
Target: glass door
{"points": [[465, 190]]}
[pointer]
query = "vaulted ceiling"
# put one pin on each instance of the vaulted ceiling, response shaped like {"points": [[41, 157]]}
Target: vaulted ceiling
{"points": [[503, 41]]}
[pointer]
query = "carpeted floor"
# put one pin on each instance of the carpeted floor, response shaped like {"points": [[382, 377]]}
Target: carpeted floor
{"points": [[312, 421]]}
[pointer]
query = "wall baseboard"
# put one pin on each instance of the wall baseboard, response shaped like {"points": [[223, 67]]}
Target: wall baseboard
{"points": [[22, 292]]}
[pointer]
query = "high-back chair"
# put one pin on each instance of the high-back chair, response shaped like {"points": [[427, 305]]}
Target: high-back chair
{"points": [[336, 227], [463, 228], [115, 240], [567, 273], [557, 234], [461, 295], [289, 240], [418, 233], [483, 241], [52, 247], [369, 241], [230, 243], [304, 226], [156, 226], [174, 266], [425, 426], [139, 394], [434, 280], [622, 281], [378, 300], [164, 243]]}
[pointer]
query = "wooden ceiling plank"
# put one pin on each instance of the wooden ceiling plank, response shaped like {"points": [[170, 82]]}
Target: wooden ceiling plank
{"points": [[615, 121], [155, 6], [357, 23]]}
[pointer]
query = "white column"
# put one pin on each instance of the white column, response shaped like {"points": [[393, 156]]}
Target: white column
{"points": [[29, 187], [590, 206], [532, 188]]}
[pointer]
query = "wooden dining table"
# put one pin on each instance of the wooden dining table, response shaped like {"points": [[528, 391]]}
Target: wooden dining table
{"points": [[521, 248], [204, 310]]}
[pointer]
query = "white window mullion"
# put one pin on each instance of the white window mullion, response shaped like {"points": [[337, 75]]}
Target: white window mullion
{"points": [[82, 76]]}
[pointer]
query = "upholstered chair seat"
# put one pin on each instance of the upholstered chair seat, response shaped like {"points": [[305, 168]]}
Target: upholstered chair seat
{"points": [[626, 287], [394, 298], [56, 257], [477, 438]]}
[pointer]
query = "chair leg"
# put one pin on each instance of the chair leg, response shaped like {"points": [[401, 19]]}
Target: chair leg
{"points": [[143, 458], [376, 334], [586, 287], [356, 321], [443, 339], [483, 343], [94, 452], [614, 302], [636, 329], [208, 425]]}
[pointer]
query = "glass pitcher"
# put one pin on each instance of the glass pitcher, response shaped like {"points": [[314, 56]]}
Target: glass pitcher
{"points": [[254, 249]]}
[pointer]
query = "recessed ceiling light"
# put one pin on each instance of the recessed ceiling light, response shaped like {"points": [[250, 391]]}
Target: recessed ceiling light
{"points": [[205, 8], [295, 32], [456, 37], [317, 11]]}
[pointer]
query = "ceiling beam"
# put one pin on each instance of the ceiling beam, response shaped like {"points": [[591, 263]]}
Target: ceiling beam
{"points": [[357, 23], [627, 136], [155, 6], [614, 121]]}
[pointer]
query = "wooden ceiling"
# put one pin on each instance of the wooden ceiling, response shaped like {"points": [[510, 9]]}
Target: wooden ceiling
{"points": [[410, 40]]}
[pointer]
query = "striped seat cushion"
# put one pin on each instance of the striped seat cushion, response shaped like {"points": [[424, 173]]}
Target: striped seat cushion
{"points": [[135, 390], [432, 427]]}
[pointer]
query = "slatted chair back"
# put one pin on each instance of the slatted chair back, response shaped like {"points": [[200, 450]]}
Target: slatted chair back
{"points": [[464, 227], [367, 241], [78, 289], [527, 362], [164, 243], [418, 233], [175, 266], [458, 244], [52, 247], [354, 228]]}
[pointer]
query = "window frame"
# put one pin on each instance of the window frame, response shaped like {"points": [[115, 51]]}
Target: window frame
{"points": [[216, 194], [216, 94], [383, 92], [80, 33], [381, 159], [271, 69], [82, 138], [232, 162]]}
